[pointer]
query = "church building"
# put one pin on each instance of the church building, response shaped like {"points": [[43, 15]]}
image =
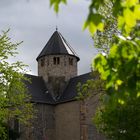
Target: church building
{"points": [[60, 116]]}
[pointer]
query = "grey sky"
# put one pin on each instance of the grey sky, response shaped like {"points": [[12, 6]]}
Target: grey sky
{"points": [[34, 22]]}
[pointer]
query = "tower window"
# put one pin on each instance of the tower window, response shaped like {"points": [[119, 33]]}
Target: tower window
{"points": [[42, 62], [71, 61], [56, 60]]}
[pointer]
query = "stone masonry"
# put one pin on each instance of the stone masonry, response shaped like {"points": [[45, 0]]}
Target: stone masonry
{"points": [[63, 69], [57, 74]]}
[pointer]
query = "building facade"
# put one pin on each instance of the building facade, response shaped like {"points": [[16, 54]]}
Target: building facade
{"points": [[59, 115]]}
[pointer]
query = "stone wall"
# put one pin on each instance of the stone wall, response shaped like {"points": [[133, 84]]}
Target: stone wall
{"points": [[63, 69], [87, 112], [57, 74], [73, 120], [43, 126], [68, 121]]}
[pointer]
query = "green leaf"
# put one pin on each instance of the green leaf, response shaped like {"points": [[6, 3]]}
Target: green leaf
{"points": [[56, 3], [129, 3], [137, 12], [94, 22]]}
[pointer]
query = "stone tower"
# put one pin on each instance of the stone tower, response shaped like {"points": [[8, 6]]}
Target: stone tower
{"points": [[57, 63]]}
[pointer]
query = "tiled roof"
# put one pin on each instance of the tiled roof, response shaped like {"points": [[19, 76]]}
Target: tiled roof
{"points": [[40, 94], [57, 45]]}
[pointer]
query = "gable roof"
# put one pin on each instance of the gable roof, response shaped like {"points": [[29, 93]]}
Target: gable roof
{"points": [[57, 45], [40, 93]]}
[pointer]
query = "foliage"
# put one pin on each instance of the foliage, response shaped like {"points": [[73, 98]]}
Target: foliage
{"points": [[103, 40], [117, 118], [120, 68], [126, 12], [92, 87], [120, 122], [13, 98], [56, 4]]}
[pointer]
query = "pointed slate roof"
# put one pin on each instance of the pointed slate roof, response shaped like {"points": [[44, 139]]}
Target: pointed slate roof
{"points": [[57, 45]]}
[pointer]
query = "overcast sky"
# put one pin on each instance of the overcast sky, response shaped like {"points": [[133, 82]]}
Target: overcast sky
{"points": [[33, 22]]}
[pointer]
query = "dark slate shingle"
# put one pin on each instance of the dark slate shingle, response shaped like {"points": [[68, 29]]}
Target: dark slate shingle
{"points": [[36, 87], [39, 94], [71, 90], [57, 45]]}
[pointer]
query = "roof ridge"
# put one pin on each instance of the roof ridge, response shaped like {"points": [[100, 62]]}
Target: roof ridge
{"points": [[26, 74], [81, 75]]}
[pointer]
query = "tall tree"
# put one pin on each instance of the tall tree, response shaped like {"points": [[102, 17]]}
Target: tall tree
{"points": [[116, 114], [103, 40], [14, 102]]}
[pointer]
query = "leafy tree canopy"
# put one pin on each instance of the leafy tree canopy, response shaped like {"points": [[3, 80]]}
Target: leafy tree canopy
{"points": [[119, 122], [14, 102]]}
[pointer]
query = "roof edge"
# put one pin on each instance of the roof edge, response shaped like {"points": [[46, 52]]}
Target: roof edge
{"points": [[78, 59]]}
